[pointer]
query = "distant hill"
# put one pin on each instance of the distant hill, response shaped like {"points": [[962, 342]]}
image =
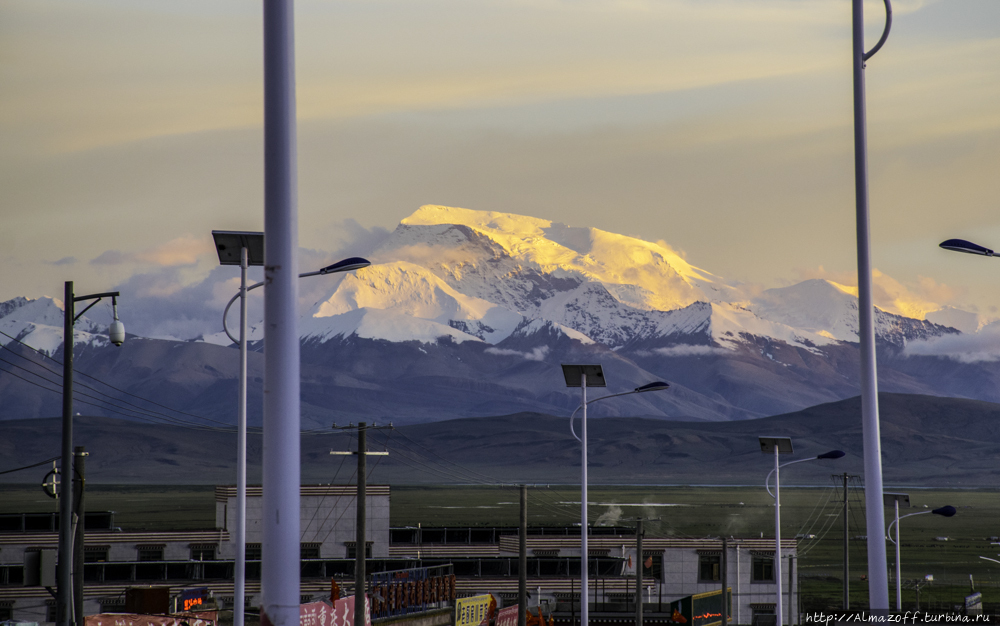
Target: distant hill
{"points": [[926, 441]]}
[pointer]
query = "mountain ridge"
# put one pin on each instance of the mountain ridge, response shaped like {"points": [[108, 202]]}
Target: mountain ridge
{"points": [[926, 441], [469, 312]]}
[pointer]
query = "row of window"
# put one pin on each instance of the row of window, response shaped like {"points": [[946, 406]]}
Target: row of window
{"points": [[710, 565], [207, 552]]}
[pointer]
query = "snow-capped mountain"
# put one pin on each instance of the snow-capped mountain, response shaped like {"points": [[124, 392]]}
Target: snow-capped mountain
{"points": [[483, 272], [39, 323], [470, 313]]}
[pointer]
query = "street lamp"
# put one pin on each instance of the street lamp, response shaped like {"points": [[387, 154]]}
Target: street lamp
{"points": [[246, 248], [893, 499], [961, 245], [878, 587], [70, 586], [782, 445], [593, 376]]}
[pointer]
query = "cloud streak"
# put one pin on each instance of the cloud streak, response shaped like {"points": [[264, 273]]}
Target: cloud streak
{"points": [[981, 347], [536, 354]]}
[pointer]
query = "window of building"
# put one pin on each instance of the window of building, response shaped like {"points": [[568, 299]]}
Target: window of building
{"points": [[709, 567], [311, 551], [652, 564], [6, 610], [151, 552], [252, 552], [352, 552], [203, 551], [96, 554], [763, 568], [51, 611]]}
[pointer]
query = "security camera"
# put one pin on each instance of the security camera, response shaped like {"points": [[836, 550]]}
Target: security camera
{"points": [[117, 333]]}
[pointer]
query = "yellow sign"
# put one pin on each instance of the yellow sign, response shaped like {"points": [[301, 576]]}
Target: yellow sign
{"points": [[473, 611]]}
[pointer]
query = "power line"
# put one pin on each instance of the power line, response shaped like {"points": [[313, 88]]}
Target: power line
{"points": [[18, 469], [118, 403], [98, 380]]}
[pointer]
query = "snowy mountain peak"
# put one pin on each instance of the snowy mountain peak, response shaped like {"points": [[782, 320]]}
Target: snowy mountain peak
{"points": [[414, 291], [642, 274], [39, 324]]}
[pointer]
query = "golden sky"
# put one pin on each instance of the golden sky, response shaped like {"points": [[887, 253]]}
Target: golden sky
{"points": [[129, 130]]}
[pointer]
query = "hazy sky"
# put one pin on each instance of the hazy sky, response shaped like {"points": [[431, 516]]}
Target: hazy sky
{"points": [[130, 129]]}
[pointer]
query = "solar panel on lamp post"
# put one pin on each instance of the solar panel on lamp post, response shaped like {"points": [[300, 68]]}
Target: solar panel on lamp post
{"points": [[893, 499], [776, 446], [584, 376], [246, 248]]}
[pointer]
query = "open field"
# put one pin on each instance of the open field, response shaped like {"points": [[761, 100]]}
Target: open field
{"points": [[681, 512]]}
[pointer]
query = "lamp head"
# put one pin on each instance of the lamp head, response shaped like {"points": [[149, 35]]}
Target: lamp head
{"points": [[961, 245], [945, 511], [655, 386], [832, 454], [347, 265]]}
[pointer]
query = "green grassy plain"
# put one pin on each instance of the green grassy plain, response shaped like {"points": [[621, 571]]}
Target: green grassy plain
{"points": [[680, 511]]}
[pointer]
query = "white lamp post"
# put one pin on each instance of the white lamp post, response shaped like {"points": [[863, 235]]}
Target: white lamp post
{"points": [[593, 376], [878, 589], [894, 499], [245, 248], [782, 445]]}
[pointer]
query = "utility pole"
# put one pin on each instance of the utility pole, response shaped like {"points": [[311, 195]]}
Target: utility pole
{"points": [[847, 556], [361, 542], [361, 538], [522, 562], [65, 579], [64, 575], [79, 486], [847, 585], [724, 564], [638, 572]]}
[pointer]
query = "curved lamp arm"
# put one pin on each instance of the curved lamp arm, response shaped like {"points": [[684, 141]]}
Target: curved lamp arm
{"points": [[986, 558], [655, 386], [832, 454], [945, 511], [885, 33], [347, 265]]}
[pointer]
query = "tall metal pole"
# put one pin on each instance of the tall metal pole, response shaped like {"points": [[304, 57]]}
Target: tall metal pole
{"points": [[847, 596], [79, 490], [638, 572], [878, 590], [777, 541], [280, 558], [522, 562], [362, 535], [239, 584], [584, 553], [65, 563]]}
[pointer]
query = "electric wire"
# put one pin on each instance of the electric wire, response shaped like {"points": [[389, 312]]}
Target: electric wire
{"points": [[98, 380], [18, 469], [79, 395], [488, 479], [323, 500]]}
